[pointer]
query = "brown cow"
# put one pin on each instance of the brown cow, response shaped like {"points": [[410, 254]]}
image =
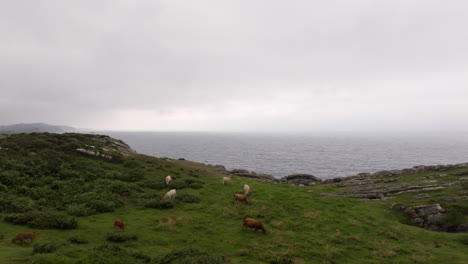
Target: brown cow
{"points": [[119, 224], [241, 197], [24, 236], [252, 223]]}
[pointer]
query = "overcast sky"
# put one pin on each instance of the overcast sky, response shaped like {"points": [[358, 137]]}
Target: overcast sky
{"points": [[362, 65]]}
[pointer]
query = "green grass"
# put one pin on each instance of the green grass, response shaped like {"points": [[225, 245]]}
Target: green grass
{"points": [[303, 224]]}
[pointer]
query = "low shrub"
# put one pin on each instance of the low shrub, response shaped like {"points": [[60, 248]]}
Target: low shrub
{"points": [[191, 256], [53, 220], [464, 186], [77, 240], [195, 186], [19, 219], [101, 206], [13, 204], [113, 254], [188, 198], [120, 237], [282, 261], [79, 210], [43, 220], [48, 247], [178, 185], [154, 184], [159, 204], [464, 239]]}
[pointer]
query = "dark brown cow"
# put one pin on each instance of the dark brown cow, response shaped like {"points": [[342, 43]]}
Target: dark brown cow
{"points": [[24, 236], [119, 224]]}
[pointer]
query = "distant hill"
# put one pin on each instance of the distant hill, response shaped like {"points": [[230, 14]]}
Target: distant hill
{"points": [[35, 127]]}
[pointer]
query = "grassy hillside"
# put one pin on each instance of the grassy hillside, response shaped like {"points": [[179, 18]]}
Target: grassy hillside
{"points": [[70, 199]]}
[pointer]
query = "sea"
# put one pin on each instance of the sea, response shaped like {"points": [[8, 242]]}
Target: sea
{"points": [[322, 155]]}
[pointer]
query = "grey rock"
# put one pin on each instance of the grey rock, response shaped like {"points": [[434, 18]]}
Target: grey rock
{"points": [[252, 174], [305, 179], [461, 173], [420, 196]]}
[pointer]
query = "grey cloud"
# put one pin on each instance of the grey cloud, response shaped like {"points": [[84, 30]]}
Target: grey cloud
{"points": [[70, 61]]}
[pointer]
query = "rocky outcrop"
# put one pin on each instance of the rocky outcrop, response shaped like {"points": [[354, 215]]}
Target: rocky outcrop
{"points": [[112, 148], [364, 178], [430, 216], [304, 179], [116, 145], [252, 174], [94, 153], [221, 169], [461, 173], [427, 216]]}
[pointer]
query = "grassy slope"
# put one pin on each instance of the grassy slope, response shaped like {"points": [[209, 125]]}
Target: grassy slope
{"points": [[303, 225]]}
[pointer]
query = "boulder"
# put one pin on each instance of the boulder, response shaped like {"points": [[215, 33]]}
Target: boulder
{"points": [[427, 216], [305, 179]]}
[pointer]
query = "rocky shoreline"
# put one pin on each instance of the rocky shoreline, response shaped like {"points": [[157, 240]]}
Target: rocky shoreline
{"points": [[358, 179]]}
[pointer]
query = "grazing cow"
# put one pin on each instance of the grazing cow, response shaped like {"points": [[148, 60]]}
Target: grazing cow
{"points": [[226, 180], [246, 189], [168, 179], [252, 223], [119, 224], [23, 236], [170, 194], [240, 197]]}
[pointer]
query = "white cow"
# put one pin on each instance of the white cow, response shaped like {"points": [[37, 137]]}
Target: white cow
{"points": [[170, 194], [246, 189], [168, 179], [227, 180]]}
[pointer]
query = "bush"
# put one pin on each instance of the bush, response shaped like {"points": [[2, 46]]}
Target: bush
{"points": [[19, 219], [464, 239], [9, 177], [178, 185], [53, 220], [123, 188], [79, 210], [191, 256], [77, 240], [196, 186], [133, 176], [43, 220], [282, 261], [120, 237], [14, 204], [188, 198], [48, 247], [101, 206], [464, 186], [131, 164], [159, 204], [153, 184]]}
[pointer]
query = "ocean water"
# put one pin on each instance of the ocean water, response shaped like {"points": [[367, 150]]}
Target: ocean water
{"points": [[325, 156]]}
